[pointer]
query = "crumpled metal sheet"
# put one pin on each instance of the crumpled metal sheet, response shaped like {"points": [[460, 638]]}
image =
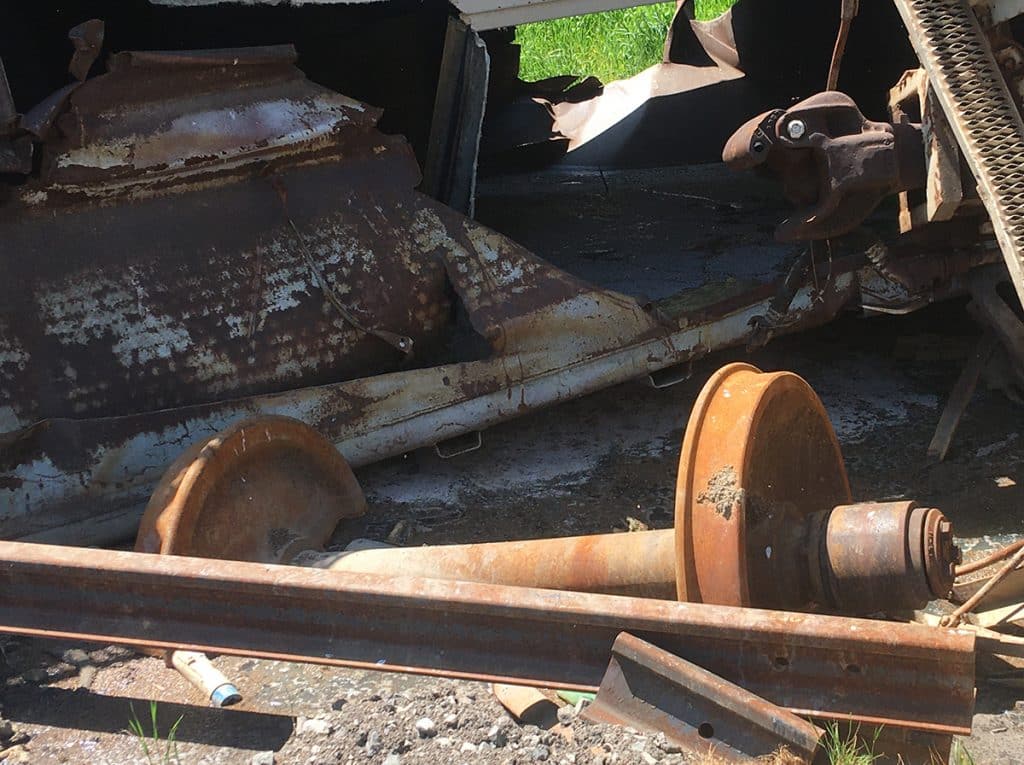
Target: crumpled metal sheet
{"points": [[152, 265]]}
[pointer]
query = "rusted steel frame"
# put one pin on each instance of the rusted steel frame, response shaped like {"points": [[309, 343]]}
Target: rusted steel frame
{"points": [[651, 689], [877, 673], [368, 419]]}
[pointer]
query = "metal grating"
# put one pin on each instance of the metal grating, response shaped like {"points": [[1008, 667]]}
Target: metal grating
{"points": [[967, 81]]}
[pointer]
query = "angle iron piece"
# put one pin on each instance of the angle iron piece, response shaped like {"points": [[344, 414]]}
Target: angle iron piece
{"points": [[648, 688], [974, 96]]}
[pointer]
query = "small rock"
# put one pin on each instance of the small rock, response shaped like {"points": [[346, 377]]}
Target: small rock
{"points": [[540, 753], [497, 736], [6, 729], [566, 715], [337, 704], [86, 675], [530, 739], [443, 741], [649, 758], [263, 758], [451, 720], [372, 742], [467, 747], [426, 728], [667, 746], [314, 727], [76, 657], [392, 759]]}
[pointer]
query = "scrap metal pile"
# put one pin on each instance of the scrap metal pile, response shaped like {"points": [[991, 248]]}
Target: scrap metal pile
{"points": [[251, 297], [767, 552]]}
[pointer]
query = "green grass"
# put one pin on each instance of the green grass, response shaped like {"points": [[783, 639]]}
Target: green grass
{"points": [[157, 750], [610, 45], [846, 747]]}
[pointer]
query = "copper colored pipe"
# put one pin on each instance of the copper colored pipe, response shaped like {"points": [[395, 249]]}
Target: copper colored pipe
{"points": [[640, 564], [994, 557]]}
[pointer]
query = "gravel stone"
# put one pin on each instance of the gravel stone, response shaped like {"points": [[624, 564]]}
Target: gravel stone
{"points": [[263, 758], [566, 715], [86, 676], [76, 657], [496, 735], [6, 729], [426, 728], [314, 727], [372, 742], [540, 753]]}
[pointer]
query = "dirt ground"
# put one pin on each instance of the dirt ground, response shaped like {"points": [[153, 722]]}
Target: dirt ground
{"points": [[587, 466]]}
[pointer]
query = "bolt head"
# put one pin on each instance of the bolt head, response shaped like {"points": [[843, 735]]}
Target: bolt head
{"points": [[796, 129]]}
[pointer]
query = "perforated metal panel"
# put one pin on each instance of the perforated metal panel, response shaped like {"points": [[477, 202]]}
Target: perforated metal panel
{"points": [[963, 72]]}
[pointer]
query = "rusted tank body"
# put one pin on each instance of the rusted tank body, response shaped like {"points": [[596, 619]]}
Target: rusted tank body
{"points": [[149, 266], [199, 236]]}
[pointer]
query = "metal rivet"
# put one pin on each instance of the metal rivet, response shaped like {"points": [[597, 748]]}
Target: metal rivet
{"points": [[796, 129]]}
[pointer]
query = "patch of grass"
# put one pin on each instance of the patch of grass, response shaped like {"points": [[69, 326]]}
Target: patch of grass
{"points": [[610, 45], [156, 750], [960, 755], [847, 747]]}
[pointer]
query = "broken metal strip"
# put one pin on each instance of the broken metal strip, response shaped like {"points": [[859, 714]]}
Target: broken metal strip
{"points": [[651, 689], [974, 96], [877, 673]]}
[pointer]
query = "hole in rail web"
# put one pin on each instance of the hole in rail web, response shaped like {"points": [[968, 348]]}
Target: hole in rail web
{"points": [[706, 730]]}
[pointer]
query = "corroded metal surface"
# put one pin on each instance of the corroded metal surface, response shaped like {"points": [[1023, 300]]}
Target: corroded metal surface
{"points": [[886, 552], [214, 237], [179, 281], [262, 490], [836, 166], [759, 453], [652, 690], [271, 489], [640, 564], [878, 673]]}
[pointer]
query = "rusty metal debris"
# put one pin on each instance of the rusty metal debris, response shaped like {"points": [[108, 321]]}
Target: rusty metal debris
{"points": [[763, 515], [648, 688], [263, 490], [835, 165], [211, 323], [879, 673]]}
